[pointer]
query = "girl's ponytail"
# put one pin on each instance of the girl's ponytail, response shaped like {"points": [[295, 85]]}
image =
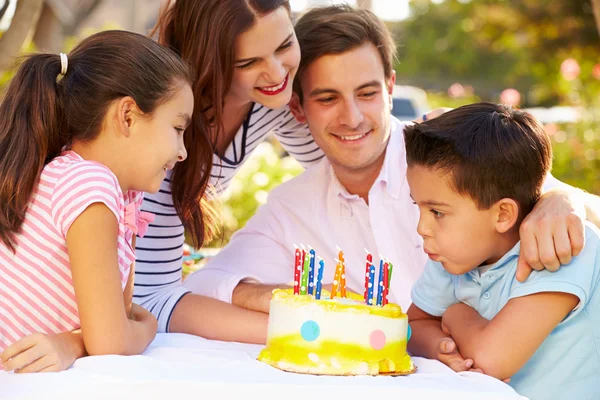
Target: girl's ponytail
{"points": [[31, 121]]}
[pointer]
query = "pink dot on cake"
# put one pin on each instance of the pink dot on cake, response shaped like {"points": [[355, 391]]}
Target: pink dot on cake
{"points": [[377, 339]]}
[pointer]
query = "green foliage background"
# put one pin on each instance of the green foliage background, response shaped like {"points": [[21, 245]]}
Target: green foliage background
{"points": [[486, 46]]}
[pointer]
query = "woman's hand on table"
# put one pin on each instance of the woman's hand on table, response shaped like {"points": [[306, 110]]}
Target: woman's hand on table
{"points": [[40, 352]]}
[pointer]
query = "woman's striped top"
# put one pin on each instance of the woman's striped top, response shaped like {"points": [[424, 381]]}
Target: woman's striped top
{"points": [[159, 253]]}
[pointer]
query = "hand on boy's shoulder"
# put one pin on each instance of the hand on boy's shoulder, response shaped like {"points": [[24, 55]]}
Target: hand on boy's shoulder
{"points": [[588, 258], [552, 234]]}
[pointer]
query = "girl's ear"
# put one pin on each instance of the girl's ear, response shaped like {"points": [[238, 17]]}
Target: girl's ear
{"points": [[127, 114], [507, 214]]}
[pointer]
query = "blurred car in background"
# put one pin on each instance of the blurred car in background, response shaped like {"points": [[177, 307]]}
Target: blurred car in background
{"points": [[409, 102]]}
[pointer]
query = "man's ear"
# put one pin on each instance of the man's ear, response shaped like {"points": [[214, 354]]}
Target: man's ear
{"points": [[507, 214], [127, 114], [296, 109], [390, 83]]}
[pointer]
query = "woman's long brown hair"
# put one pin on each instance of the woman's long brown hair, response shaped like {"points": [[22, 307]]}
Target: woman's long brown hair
{"points": [[204, 33], [40, 115]]}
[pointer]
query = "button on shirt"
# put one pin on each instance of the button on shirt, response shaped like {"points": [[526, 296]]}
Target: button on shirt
{"points": [[567, 364], [314, 209]]}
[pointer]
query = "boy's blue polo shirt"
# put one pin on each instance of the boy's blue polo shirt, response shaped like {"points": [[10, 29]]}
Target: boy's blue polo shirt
{"points": [[567, 364]]}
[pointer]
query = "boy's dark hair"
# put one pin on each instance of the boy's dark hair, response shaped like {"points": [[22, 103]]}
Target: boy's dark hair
{"points": [[338, 29], [492, 152]]}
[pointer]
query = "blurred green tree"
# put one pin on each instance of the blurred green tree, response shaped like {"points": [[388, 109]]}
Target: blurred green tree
{"points": [[494, 44]]}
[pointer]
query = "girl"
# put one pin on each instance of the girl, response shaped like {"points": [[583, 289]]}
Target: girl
{"points": [[245, 55], [81, 136]]}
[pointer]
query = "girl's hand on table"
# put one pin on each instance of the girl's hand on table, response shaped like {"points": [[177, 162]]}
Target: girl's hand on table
{"points": [[40, 352]]}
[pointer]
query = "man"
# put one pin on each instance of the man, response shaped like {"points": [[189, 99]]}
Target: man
{"points": [[357, 198]]}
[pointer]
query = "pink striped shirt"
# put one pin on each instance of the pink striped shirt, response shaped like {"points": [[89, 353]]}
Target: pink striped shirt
{"points": [[36, 289]]}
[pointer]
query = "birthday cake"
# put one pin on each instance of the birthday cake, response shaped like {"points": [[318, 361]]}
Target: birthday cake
{"points": [[329, 335]]}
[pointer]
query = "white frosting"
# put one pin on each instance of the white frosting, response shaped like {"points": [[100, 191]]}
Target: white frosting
{"points": [[347, 326]]}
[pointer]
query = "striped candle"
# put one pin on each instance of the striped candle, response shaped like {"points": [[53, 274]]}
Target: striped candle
{"points": [[336, 278], [390, 274], [343, 280], [304, 281], [386, 283], [371, 284], [311, 272], [380, 287], [319, 279], [368, 264], [297, 269]]}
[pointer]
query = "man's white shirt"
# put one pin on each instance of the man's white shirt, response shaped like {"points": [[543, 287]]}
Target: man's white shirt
{"points": [[314, 209]]}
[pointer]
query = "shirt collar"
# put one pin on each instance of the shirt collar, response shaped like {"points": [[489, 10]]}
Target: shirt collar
{"points": [[393, 171], [504, 260]]}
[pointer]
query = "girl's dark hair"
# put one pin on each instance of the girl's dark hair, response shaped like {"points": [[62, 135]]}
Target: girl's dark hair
{"points": [[41, 113], [203, 32]]}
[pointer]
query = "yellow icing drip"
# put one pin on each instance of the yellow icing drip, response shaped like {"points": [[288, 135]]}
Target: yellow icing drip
{"points": [[286, 296], [293, 353]]}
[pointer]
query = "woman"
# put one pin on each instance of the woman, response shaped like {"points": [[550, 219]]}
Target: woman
{"points": [[245, 55]]}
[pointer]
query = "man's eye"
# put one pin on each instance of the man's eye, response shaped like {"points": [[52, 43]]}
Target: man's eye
{"points": [[326, 100], [285, 46]]}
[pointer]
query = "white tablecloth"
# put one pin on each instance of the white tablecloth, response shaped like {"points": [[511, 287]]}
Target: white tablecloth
{"points": [[182, 366]]}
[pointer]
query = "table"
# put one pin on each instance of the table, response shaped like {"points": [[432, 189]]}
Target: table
{"points": [[183, 366]]}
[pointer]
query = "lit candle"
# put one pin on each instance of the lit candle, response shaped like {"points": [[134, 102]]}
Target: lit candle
{"points": [[386, 283], [340, 254], [297, 269], [380, 287], [390, 274], [343, 280], [304, 281], [319, 279], [368, 264], [336, 278], [371, 284], [311, 272]]}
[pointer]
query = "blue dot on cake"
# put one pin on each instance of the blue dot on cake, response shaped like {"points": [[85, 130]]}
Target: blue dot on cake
{"points": [[310, 331]]}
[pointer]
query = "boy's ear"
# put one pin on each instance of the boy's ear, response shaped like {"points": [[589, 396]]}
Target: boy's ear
{"points": [[507, 211], [127, 114], [296, 109]]}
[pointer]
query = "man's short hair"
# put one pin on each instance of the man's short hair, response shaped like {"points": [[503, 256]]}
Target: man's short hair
{"points": [[491, 152], [338, 29]]}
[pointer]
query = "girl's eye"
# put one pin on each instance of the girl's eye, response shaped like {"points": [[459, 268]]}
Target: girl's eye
{"points": [[180, 130], [436, 213]]}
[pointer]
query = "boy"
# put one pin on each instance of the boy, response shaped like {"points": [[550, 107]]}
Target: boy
{"points": [[475, 172]]}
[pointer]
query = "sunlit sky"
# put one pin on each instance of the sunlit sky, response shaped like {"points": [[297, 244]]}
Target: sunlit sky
{"points": [[4, 22], [386, 9]]}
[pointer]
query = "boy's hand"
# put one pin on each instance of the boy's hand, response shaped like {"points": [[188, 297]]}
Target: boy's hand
{"points": [[39, 352], [449, 355]]}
